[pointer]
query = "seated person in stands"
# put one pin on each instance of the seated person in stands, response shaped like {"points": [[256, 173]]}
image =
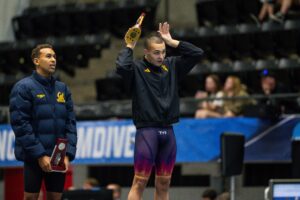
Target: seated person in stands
{"points": [[268, 7], [209, 194], [270, 86], [213, 88], [234, 88], [232, 107]]}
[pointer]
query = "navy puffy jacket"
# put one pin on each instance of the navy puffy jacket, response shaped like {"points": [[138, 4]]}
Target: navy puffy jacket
{"points": [[41, 110]]}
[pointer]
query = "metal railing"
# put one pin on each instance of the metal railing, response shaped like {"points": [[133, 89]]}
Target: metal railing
{"points": [[123, 109]]}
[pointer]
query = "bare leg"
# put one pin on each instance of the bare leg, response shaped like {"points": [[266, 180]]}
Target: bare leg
{"points": [[162, 185], [138, 187], [31, 196], [285, 6], [54, 196], [263, 11], [270, 10]]}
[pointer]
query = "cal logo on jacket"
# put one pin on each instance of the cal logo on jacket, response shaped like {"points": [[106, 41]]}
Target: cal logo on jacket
{"points": [[60, 97]]}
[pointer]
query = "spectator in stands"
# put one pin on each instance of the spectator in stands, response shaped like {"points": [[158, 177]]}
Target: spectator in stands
{"points": [[270, 86], [213, 88], [224, 196], [116, 188], [234, 88], [209, 194], [268, 9], [268, 83], [232, 107], [155, 106], [91, 184], [41, 110]]}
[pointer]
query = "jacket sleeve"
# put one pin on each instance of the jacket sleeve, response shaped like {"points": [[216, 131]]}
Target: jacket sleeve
{"points": [[20, 107], [124, 64], [190, 56], [71, 131]]}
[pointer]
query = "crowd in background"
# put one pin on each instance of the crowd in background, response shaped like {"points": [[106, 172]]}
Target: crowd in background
{"points": [[233, 98]]}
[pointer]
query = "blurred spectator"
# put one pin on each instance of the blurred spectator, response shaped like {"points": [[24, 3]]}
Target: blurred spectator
{"points": [[269, 86], [232, 107], [209, 194], [234, 88], [91, 184], [213, 88], [224, 196], [268, 9], [116, 190]]}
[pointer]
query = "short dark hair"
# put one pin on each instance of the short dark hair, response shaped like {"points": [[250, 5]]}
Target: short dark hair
{"points": [[153, 37], [35, 53], [210, 193]]}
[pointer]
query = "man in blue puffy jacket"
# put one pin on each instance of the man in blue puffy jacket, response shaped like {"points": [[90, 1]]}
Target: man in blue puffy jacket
{"points": [[41, 110]]}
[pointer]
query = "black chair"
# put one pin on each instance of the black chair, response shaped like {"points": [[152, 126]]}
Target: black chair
{"points": [[44, 23], [203, 40], [200, 69], [285, 63], [111, 89], [207, 12], [240, 66], [221, 67], [247, 8], [222, 44], [189, 86], [288, 39], [228, 10], [80, 19], [266, 64], [96, 12], [124, 16], [63, 22], [23, 27], [243, 42], [289, 70]]}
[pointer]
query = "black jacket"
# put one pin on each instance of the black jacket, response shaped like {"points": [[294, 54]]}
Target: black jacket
{"points": [[155, 89]]}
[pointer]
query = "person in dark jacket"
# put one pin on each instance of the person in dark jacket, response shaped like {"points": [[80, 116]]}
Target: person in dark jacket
{"points": [[154, 83], [41, 110]]}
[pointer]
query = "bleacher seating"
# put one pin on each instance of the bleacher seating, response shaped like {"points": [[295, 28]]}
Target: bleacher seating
{"points": [[72, 51], [80, 19], [233, 44]]}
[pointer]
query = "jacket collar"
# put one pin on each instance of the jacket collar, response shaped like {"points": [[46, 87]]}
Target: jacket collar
{"points": [[42, 80], [151, 66]]}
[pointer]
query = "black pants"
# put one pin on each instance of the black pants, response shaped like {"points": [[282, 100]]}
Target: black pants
{"points": [[34, 175]]}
